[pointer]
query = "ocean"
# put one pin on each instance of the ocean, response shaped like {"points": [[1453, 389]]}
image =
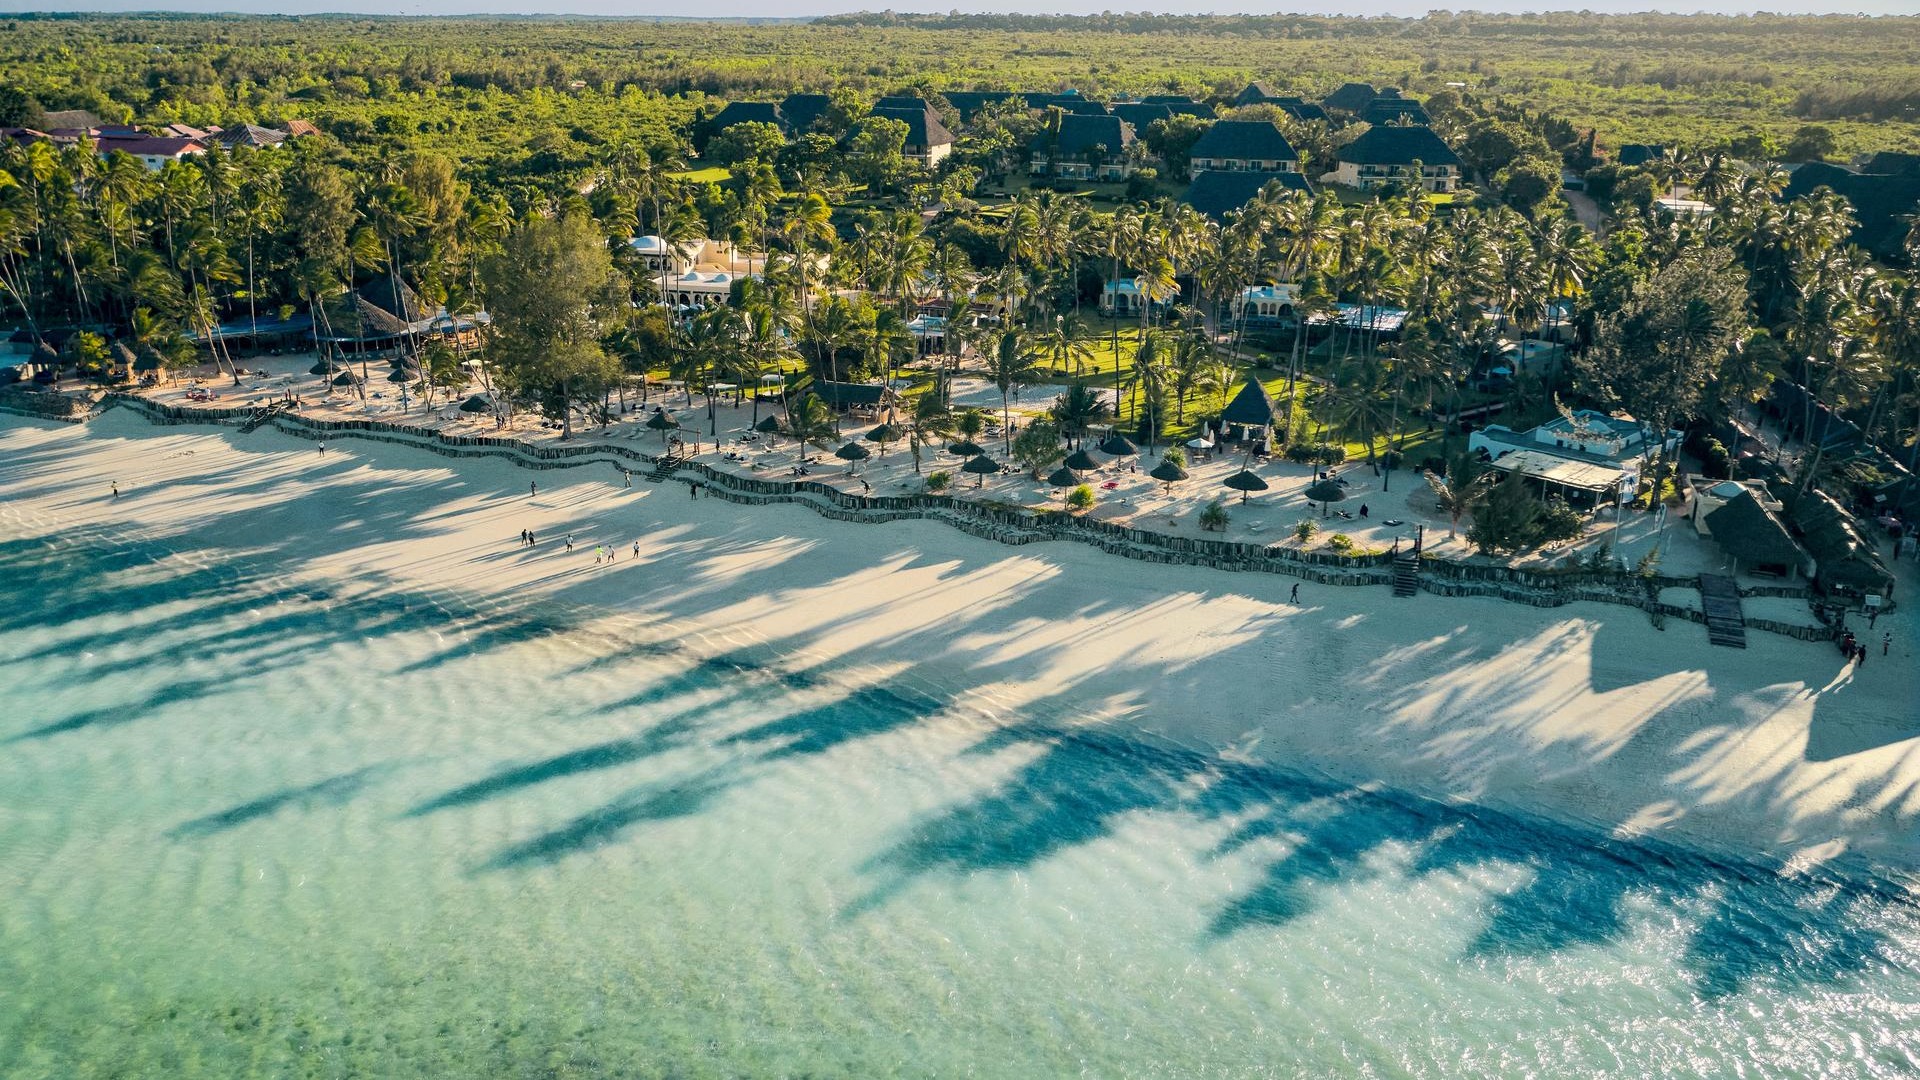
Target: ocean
{"points": [[252, 828]]}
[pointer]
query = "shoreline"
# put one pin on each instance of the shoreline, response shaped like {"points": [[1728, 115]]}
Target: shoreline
{"points": [[1580, 715], [1437, 575]]}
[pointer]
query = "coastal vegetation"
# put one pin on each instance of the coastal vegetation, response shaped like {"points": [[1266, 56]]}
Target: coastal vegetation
{"points": [[511, 184]]}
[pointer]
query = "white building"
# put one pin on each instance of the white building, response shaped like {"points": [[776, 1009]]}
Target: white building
{"points": [[696, 273], [1590, 457]]}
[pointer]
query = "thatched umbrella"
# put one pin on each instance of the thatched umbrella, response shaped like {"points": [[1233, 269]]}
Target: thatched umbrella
{"points": [[1168, 473], [407, 375], [883, 435], [478, 403], [1326, 492], [662, 423], [851, 453], [1118, 445], [1246, 483], [346, 378], [148, 359], [1063, 477], [964, 448], [1081, 461], [981, 466], [770, 425], [323, 368]]}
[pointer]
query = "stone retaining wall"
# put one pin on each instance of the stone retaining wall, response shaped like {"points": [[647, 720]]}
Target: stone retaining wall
{"points": [[1441, 577]]}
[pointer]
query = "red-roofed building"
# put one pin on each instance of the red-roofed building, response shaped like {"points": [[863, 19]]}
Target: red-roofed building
{"points": [[153, 151]]}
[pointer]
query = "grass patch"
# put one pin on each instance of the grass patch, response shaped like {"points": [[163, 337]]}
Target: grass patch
{"points": [[716, 174]]}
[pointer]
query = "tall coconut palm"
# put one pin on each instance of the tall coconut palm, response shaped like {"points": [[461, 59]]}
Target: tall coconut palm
{"points": [[1458, 491], [1009, 366]]}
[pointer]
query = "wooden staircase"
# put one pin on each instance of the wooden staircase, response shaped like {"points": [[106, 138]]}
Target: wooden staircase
{"points": [[665, 467], [1406, 574], [1720, 602]]}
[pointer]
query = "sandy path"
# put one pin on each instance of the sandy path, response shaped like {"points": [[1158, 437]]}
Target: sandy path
{"points": [[1584, 711]]}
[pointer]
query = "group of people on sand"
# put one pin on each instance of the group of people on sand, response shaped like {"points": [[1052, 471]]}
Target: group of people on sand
{"points": [[602, 553], [1855, 650]]}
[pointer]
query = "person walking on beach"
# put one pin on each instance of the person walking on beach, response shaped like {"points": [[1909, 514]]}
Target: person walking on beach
{"points": [[627, 475], [569, 541], [636, 556], [1859, 656], [116, 489], [533, 489], [693, 489], [1886, 643], [1294, 598], [530, 540]]}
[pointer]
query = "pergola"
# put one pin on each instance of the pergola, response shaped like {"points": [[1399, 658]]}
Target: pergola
{"points": [[1586, 481]]}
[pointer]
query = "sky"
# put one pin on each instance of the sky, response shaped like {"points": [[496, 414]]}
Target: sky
{"points": [[801, 8]]}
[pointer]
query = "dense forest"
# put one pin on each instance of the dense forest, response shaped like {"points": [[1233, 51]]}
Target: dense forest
{"points": [[503, 166]]}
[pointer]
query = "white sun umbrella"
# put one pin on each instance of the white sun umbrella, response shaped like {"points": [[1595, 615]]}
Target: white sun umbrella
{"points": [[1201, 443]]}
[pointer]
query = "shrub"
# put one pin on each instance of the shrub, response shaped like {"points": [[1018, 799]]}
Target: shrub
{"points": [[1714, 459], [938, 482], [1388, 460], [1316, 454], [1558, 522], [1340, 544], [1304, 531], [1175, 456], [1215, 516], [1080, 498]]}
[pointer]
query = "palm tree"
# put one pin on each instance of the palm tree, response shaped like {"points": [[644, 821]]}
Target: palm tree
{"points": [[810, 423], [1150, 378], [807, 227], [931, 423], [1359, 405], [1458, 491], [1077, 410], [1064, 347], [1194, 365], [1009, 365]]}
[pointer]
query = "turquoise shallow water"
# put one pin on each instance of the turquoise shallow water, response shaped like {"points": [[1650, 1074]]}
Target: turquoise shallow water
{"points": [[250, 829]]}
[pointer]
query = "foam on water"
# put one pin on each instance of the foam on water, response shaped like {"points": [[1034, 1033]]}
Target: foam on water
{"points": [[248, 828]]}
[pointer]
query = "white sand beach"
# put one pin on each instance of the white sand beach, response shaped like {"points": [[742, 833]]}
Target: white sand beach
{"points": [[1585, 711]]}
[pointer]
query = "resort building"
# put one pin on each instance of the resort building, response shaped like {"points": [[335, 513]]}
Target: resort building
{"points": [[1746, 522], [801, 111], [1124, 298], [1180, 105], [253, 135], [152, 151], [747, 112], [1390, 154], [1243, 146], [1141, 114], [1686, 209], [1587, 458], [1388, 111], [697, 273], [1265, 305], [1084, 148], [1351, 98], [928, 140], [1217, 194]]}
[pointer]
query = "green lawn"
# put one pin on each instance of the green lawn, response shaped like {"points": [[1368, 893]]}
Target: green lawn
{"points": [[714, 175]]}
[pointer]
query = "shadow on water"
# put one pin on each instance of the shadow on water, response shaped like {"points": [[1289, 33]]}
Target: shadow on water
{"points": [[606, 755], [1754, 922], [333, 791], [604, 824], [1299, 834]]}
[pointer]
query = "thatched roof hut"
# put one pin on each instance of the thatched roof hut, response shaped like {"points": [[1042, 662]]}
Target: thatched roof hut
{"points": [[1755, 537]]}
